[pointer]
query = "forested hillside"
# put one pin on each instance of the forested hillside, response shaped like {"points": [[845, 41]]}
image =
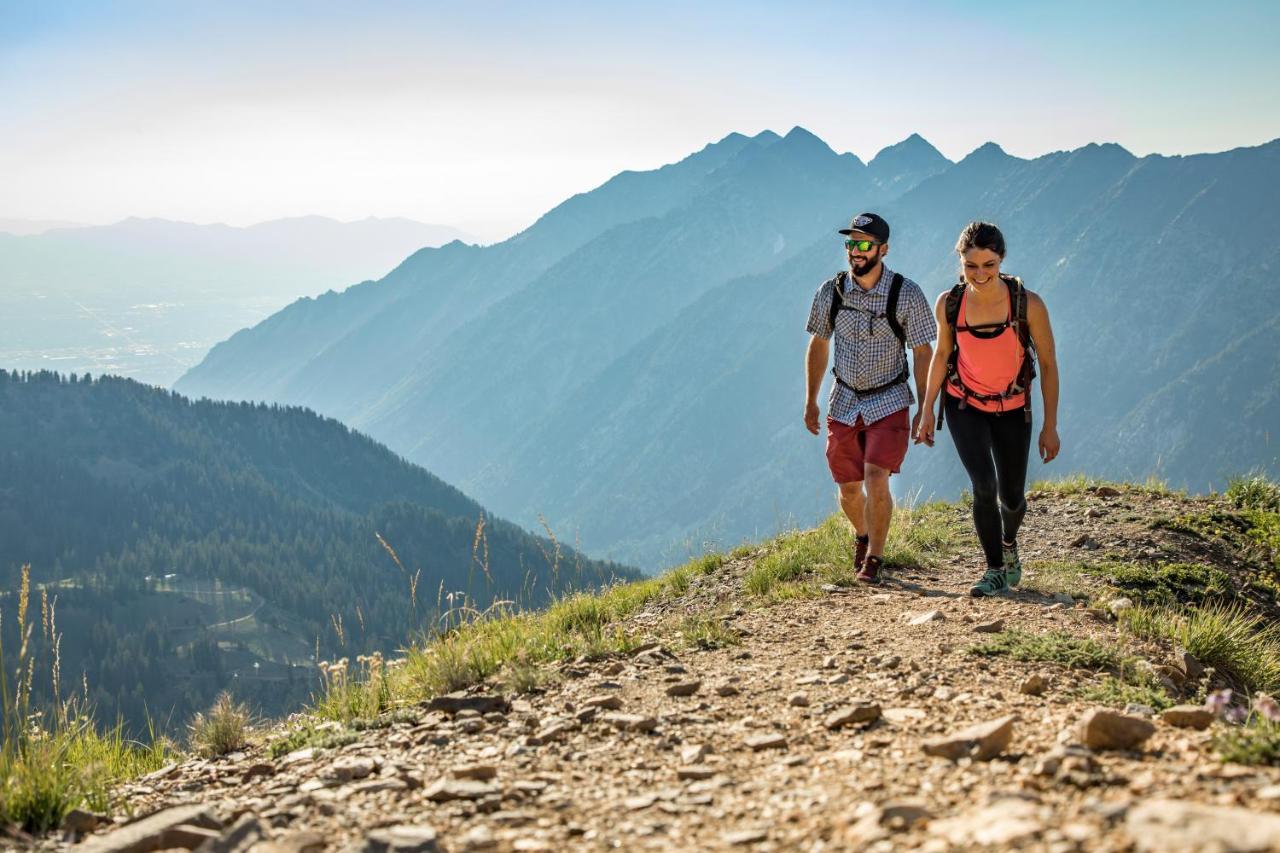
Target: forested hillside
{"points": [[185, 547]]}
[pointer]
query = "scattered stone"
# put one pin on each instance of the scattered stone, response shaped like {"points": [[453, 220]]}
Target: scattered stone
{"points": [[631, 722], [838, 678], [298, 842], [445, 790], [400, 839], [1003, 824], [149, 833], [695, 771], [1137, 709], [81, 821], [1034, 685], [1100, 728], [615, 668], [452, 703], [244, 835], [1072, 764], [1188, 717], [726, 690], [607, 702], [351, 767], [1268, 793], [1172, 826], [983, 741], [1106, 492], [798, 700], [694, 753], [744, 836], [642, 801], [926, 617], [1085, 541], [1119, 605], [875, 823], [769, 741], [901, 716], [684, 688], [862, 712], [1188, 665], [989, 627], [1093, 512], [479, 772]]}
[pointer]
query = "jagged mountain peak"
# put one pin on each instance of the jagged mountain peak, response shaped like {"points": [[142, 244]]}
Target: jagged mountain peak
{"points": [[915, 148]]}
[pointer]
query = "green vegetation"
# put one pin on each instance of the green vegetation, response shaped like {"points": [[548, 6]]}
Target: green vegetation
{"points": [[1053, 647], [324, 736], [707, 631], [1049, 577], [56, 760], [222, 729], [1079, 483], [1134, 685], [1258, 743], [919, 536], [1239, 644]]}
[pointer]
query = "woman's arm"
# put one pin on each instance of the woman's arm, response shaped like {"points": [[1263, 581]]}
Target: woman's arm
{"points": [[1042, 337], [937, 372]]}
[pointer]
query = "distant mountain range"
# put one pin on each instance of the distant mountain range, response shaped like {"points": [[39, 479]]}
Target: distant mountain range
{"points": [[631, 366], [189, 547], [147, 297]]}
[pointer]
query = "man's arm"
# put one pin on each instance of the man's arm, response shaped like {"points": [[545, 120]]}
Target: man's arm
{"points": [[814, 370]]}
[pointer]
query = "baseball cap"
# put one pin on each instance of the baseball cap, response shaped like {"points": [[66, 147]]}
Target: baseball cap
{"points": [[869, 223]]}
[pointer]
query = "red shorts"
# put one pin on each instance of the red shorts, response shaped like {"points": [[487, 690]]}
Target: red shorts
{"points": [[883, 443]]}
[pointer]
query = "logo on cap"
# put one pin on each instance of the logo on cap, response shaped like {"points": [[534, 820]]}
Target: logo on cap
{"points": [[862, 220]]}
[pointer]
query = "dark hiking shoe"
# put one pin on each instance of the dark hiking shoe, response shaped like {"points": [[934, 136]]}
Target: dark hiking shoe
{"points": [[993, 583], [860, 545], [871, 570], [1012, 565]]}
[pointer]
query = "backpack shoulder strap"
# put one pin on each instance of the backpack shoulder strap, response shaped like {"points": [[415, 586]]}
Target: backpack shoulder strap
{"points": [[837, 287], [891, 309], [1018, 299], [952, 308]]}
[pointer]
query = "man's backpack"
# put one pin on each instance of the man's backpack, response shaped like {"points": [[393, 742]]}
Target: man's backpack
{"points": [[890, 315], [1021, 384]]}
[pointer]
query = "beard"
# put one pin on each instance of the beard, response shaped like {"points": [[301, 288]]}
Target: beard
{"points": [[862, 266]]}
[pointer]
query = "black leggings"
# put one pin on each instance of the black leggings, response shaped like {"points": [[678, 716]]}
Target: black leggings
{"points": [[993, 448]]}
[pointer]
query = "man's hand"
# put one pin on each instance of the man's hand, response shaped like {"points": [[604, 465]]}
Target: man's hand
{"points": [[812, 417], [1049, 443], [922, 427]]}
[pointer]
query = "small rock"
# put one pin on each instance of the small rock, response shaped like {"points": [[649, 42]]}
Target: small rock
{"points": [[1137, 709], [1004, 824], [445, 790], [1187, 663], [1173, 826], [479, 772], [1106, 492], [1268, 793], [798, 700], [684, 688], [744, 836], [243, 836], [926, 617], [631, 722], [989, 627], [1085, 541], [1034, 685], [1101, 728], [1093, 512], [351, 767], [694, 753], [770, 741], [695, 771], [643, 801], [726, 690], [1119, 605], [862, 712], [452, 703], [607, 702], [149, 832], [983, 741], [1188, 717], [81, 821], [400, 839]]}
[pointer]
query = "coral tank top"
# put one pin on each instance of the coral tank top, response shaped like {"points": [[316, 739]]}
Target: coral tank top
{"points": [[987, 365]]}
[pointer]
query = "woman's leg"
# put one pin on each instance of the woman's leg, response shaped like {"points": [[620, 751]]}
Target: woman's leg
{"points": [[971, 431], [1012, 436]]}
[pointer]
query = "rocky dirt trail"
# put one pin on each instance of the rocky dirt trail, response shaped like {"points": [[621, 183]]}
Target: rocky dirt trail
{"points": [[854, 721]]}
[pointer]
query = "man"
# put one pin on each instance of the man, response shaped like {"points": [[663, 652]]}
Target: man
{"points": [[875, 315]]}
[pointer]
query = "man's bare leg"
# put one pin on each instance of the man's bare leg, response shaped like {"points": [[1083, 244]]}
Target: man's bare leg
{"points": [[854, 505], [879, 508]]}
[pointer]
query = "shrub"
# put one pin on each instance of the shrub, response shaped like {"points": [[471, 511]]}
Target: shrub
{"points": [[223, 728]]}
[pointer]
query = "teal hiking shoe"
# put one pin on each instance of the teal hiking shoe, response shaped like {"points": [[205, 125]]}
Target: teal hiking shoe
{"points": [[1012, 565], [993, 582]]}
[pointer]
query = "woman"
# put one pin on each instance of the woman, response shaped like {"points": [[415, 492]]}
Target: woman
{"points": [[990, 330]]}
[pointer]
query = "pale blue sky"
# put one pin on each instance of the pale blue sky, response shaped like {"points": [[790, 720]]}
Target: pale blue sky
{"points": [[486, 114]]}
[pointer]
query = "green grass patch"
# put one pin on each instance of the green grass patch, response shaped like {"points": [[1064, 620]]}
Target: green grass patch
{"points": [[222, 729], [1164, 583], [310, 735], [1240, 645], [1050, 577], [918, 536], [1254, 492], [1052, 647], [1133, 685], [1080, 483], [707, 631], [1256, 744]]}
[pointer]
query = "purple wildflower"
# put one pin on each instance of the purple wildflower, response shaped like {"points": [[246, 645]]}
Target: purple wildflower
{"points": [[1219, 702], [1267, 707]]}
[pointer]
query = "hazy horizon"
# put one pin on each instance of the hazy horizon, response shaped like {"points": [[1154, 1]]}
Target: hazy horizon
{"points": [[483, 119]]}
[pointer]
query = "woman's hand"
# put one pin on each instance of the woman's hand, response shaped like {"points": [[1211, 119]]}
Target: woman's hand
{"points": [[1049, 443], [922, 428]]}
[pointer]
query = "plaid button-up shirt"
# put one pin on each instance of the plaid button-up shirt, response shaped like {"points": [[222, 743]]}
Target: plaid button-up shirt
{"points": [[867, 352]]}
